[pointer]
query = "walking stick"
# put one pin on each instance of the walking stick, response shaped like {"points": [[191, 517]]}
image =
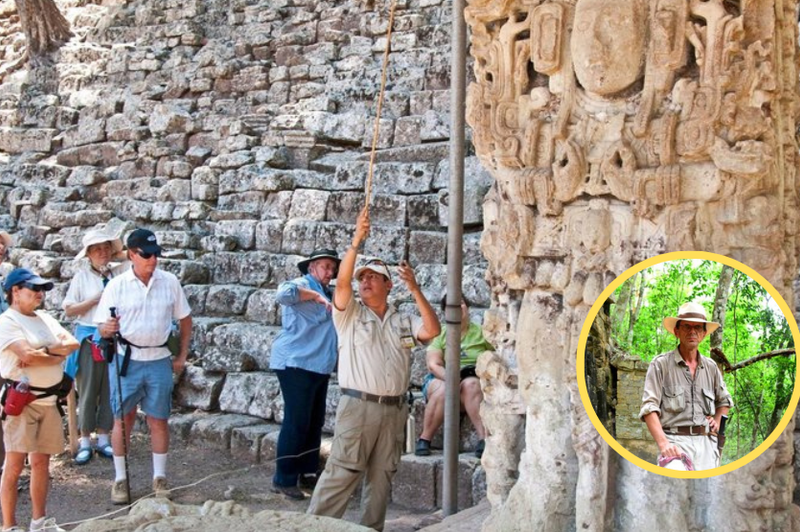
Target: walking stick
{"points": [[113, 311]]}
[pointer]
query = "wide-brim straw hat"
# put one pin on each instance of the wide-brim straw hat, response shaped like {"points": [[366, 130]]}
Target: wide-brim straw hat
{"points": [[692, 312], [316, 255], [99, 236]]}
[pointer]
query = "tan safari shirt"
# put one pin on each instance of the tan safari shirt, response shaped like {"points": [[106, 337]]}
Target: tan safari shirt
{"points": [[375, 354], [681, 402]]}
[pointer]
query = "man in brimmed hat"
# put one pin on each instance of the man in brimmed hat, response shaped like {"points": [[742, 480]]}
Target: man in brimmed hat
{"points": [[303, 357], [147, 300], [685, 396], [375, 342]]}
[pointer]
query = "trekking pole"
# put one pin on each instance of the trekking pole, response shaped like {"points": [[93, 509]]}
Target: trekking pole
{"points": [[113, 311]]}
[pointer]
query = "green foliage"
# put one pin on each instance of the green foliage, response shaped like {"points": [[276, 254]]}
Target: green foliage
{"points": [[753, 325]]}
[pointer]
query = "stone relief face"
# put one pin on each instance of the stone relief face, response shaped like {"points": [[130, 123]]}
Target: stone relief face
{"points": [[607, 44]]}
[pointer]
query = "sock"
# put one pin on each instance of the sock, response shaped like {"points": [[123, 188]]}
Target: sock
{"points": [[84, 442], [159, 465], [119, 468], [103, 440]]}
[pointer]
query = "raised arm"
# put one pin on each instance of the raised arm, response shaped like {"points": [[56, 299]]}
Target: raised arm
{"points": [[430, 322], [344, 280]]}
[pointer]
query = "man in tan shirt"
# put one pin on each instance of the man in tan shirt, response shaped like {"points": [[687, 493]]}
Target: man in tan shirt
{"points": [[375, 342], [685, 396]]}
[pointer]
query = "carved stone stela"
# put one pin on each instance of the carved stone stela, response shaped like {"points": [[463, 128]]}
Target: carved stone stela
{"points": [[617, 130]]}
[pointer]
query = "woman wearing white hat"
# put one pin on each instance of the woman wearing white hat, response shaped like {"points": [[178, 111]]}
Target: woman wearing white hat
{"points": [[91, 372]]}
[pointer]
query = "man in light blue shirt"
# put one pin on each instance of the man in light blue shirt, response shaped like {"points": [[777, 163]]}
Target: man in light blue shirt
{"points": [[303, 357]]}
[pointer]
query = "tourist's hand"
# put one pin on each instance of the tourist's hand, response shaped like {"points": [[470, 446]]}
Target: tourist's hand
{"points": [[406, 273], [362, 227]]}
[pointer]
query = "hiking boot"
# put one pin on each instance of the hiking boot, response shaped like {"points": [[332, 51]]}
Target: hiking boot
{"points": [[119, 492], [48, 525], [480, 448], [161, 488], [423, 448], [292, 492], [307, 481]]}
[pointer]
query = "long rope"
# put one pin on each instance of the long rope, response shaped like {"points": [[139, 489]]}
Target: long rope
{"points": [[376, 129]]}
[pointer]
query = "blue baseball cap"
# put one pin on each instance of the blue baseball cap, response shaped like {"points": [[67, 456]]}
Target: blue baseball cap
{"points": [[24, 275]]}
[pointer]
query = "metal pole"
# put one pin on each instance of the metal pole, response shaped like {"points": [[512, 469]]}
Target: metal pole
{"points": [[455, 233]]}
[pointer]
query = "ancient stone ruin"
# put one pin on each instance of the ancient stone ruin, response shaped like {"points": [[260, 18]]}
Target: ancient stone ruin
{"points": [[616, 130]]}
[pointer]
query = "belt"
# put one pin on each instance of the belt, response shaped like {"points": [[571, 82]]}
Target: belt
{"points": [[694, 430], [393, 400]]}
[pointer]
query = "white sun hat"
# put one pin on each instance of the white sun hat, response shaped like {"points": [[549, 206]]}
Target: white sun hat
{"points": [[98, 236]]}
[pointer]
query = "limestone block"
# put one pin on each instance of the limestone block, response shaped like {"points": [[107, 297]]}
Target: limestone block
{"points": [[218, 243], [349, 176], [19, 140], [224, 267], [102, 154], [277, 205], [334, 236], [419, 368], [474, 286], [139, 167], [475, 175], [423, 211], [262, 307], [246, 441], [272, 156], [471, 249], [223, 360], [187, 271], [254, 393], [427, 246], [254, 177], [269, 446], [167, 118], [385, 139], [407, 131], [414, 484], [227, 299], [251, 338], [191, 210], [231, 160], [299, 237], [40, 263], [196, 295], [216, 430], [254, 268], [180, 425], [403, 178], [245, 202], [162, 211], [85, 176], [331, 404], [242, 231], [317, 178], [205, 183], [467, 464], [196, 155], [198, 389], [344, 206], [309, 204], [387, 210], [269, 235], [435, 127], [388, 243], [346, 127], [86, 132]]}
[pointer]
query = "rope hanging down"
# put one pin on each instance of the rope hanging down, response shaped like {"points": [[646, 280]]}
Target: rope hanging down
{"points": [[368, 191]]}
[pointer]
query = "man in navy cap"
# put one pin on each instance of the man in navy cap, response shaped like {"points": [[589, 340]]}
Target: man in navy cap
{"points": [[303, 356], [147, 300]]}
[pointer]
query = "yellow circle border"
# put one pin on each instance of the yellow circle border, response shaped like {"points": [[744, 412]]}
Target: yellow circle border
{"points": [[587, 325]]}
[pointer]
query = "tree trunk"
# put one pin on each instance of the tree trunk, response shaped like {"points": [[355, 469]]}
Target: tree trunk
{"points": [[621, 308], [44, 26], [642, 278], [721, 303]]}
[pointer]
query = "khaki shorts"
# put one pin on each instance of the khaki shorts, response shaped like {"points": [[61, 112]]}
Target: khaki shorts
{"points": [[37, 430]]}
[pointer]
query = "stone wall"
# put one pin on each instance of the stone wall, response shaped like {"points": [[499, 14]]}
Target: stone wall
{"points": [[239, 132], [631, 432]]}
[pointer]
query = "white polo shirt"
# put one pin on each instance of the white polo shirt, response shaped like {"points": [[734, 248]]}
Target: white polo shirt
{"points": [[145, 311]]}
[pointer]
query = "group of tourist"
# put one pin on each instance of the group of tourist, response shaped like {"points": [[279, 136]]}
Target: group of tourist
{"points": [[124, 313], [124, 308]]}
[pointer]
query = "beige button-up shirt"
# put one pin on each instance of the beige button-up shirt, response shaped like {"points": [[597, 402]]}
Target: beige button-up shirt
{"points": [[679, 400], [375, 354]]}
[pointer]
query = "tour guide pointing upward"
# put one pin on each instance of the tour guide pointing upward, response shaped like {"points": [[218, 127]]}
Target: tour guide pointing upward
{"points": [[685, 396]]}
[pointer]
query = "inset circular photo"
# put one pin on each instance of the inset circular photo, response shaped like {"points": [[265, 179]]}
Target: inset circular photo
{"points": [[687, 365]]}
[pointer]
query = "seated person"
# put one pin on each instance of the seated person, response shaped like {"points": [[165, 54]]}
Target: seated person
{"points": [[472, 345]]}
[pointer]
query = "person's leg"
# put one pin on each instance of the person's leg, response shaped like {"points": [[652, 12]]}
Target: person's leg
{"points": [[471, 398], [12, 469], [382, 466], [87, 381], [40, 482], [159, 434], [318, 392], [297, 413], [434, 410], [157, 403]]}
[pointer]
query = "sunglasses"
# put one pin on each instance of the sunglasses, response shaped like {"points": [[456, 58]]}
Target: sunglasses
{"points": [[145, 255], [35, 287]]}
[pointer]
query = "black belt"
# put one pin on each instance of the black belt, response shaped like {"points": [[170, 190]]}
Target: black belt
{"points": [[394, 400], [694, 430]]}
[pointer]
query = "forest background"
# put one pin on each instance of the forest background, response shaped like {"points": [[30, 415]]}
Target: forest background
{"points": [[754, 347]]}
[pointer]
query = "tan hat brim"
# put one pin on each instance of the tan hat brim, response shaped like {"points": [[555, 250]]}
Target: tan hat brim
{"points": [[116, 247]]}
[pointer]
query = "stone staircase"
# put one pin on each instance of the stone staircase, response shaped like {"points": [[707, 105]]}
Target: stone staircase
{"points": [[417, 485]]}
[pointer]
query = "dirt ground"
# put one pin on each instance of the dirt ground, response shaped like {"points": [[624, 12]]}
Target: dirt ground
{"points": [[79, 493]]}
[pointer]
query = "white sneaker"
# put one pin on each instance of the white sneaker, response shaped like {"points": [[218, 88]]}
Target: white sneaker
{"points": [[14, 529], [49, 525]]}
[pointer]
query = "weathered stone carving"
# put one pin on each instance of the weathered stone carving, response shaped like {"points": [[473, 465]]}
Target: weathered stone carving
{"points": [[617, 130]]}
